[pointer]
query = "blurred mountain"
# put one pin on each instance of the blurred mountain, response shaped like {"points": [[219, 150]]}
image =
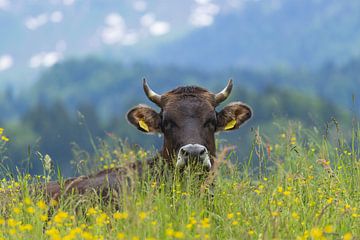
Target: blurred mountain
{"points": [[263, 34], [37, 34], [203, 34]]}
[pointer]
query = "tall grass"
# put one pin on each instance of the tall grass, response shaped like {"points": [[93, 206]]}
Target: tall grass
{"points": [[301, 184]]}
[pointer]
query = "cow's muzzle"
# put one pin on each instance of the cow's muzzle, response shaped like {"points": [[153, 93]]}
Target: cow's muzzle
{"points": [[193, 154]]}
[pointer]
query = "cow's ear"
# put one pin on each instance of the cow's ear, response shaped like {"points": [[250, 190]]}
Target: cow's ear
{"points": [[232, 116], [145, 119]]}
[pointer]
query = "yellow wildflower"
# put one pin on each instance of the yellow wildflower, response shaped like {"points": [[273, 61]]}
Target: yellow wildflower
{"points": [[347, 236], [91, 211], [41, 204], [60, 217], [178, 235], [205, 223], [4, 138], [316, 233], [192, 220], [27, 201], [43, 217], [329, 229], [102, 219], [30, 210], [16, 210], [87, 235], [120, 215], [52, 232], [12, 222], [69, 237], [120, 235], [169, 232], [26, 227], [189, 226], [12, 231], [287, 193], [295, 216], [75, 231], [230, 215], [275, 214], [143, 215]]}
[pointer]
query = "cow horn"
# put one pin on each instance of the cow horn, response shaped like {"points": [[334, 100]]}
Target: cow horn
{"points": [[153, 96], [223, 95]]}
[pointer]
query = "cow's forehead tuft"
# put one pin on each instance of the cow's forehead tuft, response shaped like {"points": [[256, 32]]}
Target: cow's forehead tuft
{"points": [[183, 93], [189, 90]]}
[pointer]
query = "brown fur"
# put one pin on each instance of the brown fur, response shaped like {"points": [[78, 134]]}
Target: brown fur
{"points": [[180, 93]]}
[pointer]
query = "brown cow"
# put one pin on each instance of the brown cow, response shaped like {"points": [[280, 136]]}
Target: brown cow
{"points": [[188, 119]]}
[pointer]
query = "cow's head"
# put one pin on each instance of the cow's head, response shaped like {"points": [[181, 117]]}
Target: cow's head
{"points": [[188, 119]]}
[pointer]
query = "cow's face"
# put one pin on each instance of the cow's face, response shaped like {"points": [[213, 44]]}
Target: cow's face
{"points": [[188, 119]]}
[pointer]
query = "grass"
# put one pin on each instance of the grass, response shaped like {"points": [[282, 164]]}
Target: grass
{"points": [[299, 185]]}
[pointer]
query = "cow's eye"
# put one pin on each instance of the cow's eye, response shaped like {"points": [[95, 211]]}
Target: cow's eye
{"points": [[169, 124], [210, 124]]}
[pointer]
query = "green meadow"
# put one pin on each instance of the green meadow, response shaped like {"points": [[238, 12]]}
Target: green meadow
{"points": [[301, 184]]}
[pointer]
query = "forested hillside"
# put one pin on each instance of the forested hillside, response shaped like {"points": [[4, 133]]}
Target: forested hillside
{"points": [[79, 98]]}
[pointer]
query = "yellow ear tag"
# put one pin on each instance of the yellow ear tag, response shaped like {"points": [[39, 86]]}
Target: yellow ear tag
{"points": [[230, 124], [143, 125]]}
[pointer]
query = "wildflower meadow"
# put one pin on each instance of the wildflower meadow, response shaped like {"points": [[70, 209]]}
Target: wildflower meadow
{"points": [[300, 184]]}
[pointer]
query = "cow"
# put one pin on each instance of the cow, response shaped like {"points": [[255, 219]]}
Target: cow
{"points": [[188, 120]]}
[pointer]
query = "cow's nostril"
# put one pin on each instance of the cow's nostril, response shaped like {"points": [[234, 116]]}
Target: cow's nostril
{"points": [[183, 152], [193, 154], [193, 151]]}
